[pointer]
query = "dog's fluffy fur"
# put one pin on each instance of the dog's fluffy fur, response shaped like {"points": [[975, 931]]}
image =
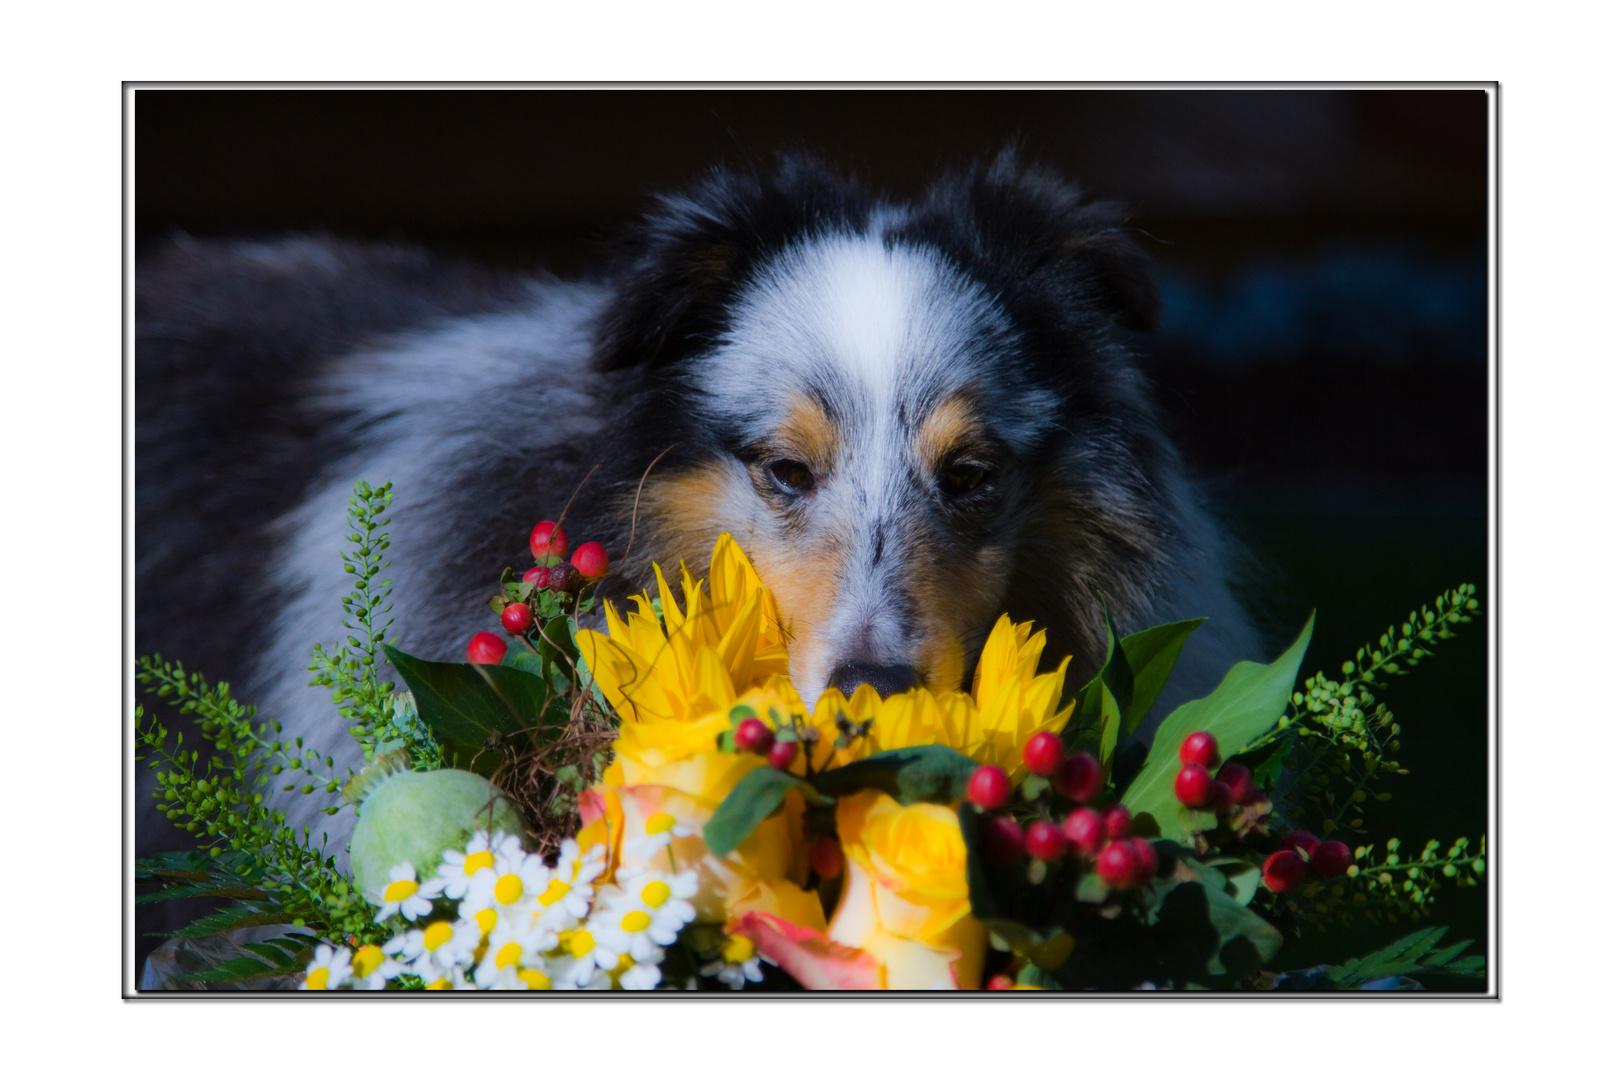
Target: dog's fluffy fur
{"points": [[912, 417]]}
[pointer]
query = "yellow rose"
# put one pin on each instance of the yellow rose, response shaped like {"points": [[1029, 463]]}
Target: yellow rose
{"points": [[905, 898]]}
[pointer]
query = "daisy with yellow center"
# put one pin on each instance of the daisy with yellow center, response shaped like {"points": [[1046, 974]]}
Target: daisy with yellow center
{"points": [[459, 868], [566, 898], [665, 901], [328, 970], [511, 884], [585, 963], [403, 895], [512, 947], [737, 965], [437, 948], [373, 968]]}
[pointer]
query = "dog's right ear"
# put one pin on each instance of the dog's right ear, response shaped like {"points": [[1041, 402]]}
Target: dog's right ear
{"points": [[681, 269]]}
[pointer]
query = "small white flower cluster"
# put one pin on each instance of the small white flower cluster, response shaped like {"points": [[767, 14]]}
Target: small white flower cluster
{"points": [[520, 925]]}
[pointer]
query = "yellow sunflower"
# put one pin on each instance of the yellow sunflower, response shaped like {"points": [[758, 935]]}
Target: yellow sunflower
{"points": [[674, 684]]}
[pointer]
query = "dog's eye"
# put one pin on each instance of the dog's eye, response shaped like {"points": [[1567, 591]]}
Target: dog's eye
{"points": [[963, 478], [793, 477]]}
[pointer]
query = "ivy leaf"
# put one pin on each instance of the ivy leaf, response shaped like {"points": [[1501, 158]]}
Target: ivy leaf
{"points": [[1242, 708], [466, 704], [756, 797], [912, 774]]}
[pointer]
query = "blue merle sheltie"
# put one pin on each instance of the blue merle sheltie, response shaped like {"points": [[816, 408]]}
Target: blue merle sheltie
{"points": [[913, 416]]}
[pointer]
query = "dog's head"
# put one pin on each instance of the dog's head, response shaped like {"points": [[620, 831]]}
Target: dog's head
{"points": [[911, 417]]}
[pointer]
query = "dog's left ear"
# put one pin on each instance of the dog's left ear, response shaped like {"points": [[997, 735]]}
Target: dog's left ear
{"points": [[679, 271], [1033, 233]]}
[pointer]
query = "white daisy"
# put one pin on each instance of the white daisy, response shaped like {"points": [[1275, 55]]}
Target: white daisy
{"points": [[511, 885], [665, 899], [566, 898], [405, 896], [373, 968], [641, 977], [437, 948], [736, 965], [585, 963], [459, 867], [329, 970], [660, 830], [513, 944]]}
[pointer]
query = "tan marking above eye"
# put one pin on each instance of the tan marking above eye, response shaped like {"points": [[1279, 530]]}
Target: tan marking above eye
{"points": [[946, 431], [807, 434]]}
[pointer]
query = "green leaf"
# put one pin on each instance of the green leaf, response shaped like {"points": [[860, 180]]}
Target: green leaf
{"points": [[1242, 708], [1413, 954], [522, 659], [229, 919], [1242, 878], [1091, 890], [912, 774], [1152, 655], [239, 969], [755, 798], [465, 704]]}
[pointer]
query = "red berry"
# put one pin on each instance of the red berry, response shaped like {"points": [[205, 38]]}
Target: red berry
{"points": [[781, 754], [826, 857], [988, 788], [562, 578], [1043, 753], [1084, 829], [537, 573], [485, 648], [591, 560], [1192, 786], [1220, 796], [1330, 859], [517, 618], [1120, 865], [1239, 779], [1078, 778], [1148, 856], [1303, 841], [1001, 841], [548, 538], [1284, 870], [1117, 822], [1044, 841], [999, 982], [1199, 749], [1255, 795], [753, 737]]}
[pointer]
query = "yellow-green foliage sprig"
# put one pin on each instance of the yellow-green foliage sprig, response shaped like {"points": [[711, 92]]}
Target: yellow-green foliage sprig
{"points": [[1341, 736], [1383, 886], [349, 668], [209, 792]]}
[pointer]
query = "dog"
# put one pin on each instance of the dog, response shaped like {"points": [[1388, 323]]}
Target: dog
{"points": [[912, 415]]}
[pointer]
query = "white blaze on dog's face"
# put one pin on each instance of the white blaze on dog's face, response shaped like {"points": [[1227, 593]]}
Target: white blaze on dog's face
{"points": [[856, 384]]}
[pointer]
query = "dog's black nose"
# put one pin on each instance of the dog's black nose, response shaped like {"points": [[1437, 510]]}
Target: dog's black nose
{"points": [[886, 679]]}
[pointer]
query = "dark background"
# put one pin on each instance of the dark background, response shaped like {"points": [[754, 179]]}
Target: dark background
{"points": [[1322, 356]]}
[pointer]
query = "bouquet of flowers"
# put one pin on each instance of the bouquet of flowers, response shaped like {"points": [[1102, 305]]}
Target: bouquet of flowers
{"points": [[651, 805]]}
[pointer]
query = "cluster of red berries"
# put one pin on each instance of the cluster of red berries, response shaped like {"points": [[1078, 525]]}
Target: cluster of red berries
{"points": [[549, 544], [1122, 861], [1286, 866], [1198, 789], [753, 737]]}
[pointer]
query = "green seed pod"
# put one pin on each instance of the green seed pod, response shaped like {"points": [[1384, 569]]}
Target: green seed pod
{"points": [[415, 817]]}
